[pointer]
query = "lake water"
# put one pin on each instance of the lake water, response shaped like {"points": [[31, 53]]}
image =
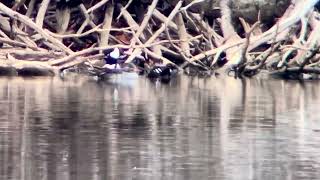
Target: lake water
{"points": [[131, 128]]}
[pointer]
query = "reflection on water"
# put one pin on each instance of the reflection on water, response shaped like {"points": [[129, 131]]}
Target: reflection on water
{"points": [[135, 129]]}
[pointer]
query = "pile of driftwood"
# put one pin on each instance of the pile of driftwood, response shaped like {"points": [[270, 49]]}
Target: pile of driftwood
{"points": [[60, 34]]}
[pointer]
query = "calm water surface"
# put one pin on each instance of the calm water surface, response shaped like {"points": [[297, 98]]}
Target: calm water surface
{"points": [[131, 128]]}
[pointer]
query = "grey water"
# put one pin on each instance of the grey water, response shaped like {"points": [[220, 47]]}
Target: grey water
{"points": [[130, 128]]}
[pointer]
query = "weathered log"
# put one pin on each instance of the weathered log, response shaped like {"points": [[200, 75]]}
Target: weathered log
{"points": [[183, 35], [104, 36], [63, 20], [25, 68], [195, 37], [17, 44], [158, 32], [31, 24], [42, 12]]}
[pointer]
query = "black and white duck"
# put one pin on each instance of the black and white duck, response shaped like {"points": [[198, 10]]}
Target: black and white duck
{"points": [[164, 73], [114, 63], [113, 60]]}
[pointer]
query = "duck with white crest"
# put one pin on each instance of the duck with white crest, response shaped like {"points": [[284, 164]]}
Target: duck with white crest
{"points": [[113, 59]]}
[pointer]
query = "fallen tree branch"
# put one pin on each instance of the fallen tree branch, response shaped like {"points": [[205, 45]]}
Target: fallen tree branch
{"points": [[91, 31], [125, 8], [104, 35], [97, 6], [31, 24], [17, 44], [41, 13], [146, 18], [158, 32]]}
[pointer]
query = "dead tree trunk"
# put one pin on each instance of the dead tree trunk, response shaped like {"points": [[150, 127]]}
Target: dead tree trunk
{"points": [[250, 35]]}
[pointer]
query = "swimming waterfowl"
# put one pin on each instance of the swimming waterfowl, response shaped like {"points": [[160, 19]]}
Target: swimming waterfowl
{"points": [[163, 73], [113, 59], [141, 65]]}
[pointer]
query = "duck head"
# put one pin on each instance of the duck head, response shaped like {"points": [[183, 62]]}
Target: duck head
{"points": [[115, 53], [112, 56]]}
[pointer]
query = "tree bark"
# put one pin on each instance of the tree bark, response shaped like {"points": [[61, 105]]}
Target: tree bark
{"points": [[104, 36], [42, 12]]}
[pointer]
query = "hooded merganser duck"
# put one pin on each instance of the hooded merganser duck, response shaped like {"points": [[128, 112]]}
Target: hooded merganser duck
{"points": [[163, 73], [141, 65], [113, 59]]}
